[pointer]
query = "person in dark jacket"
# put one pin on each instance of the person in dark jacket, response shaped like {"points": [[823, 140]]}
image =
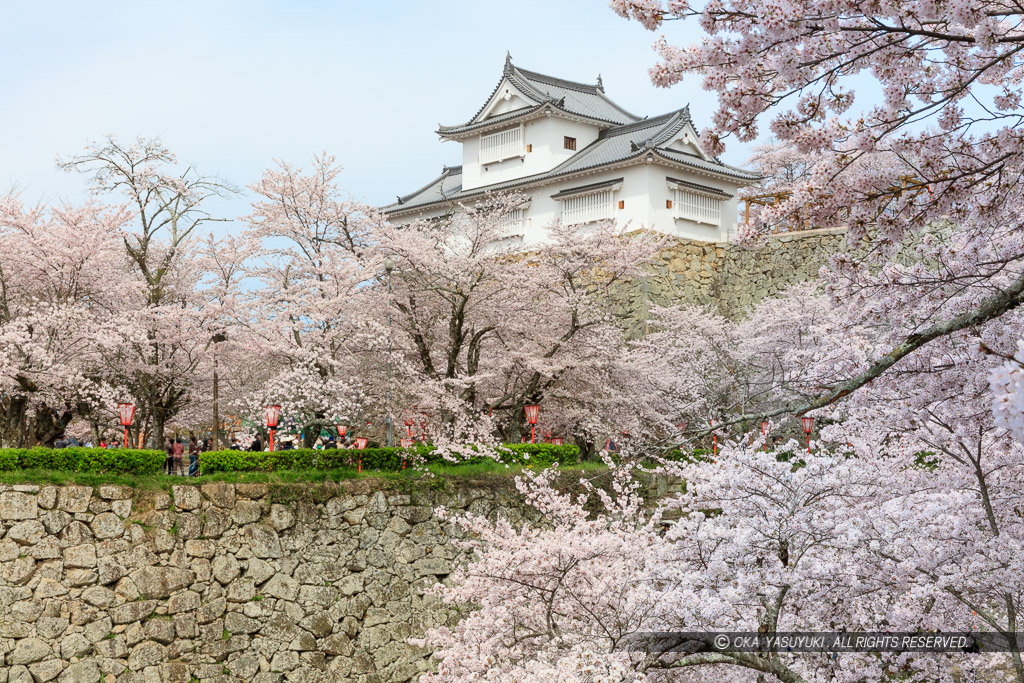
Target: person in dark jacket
{"points": [[193, 457]]}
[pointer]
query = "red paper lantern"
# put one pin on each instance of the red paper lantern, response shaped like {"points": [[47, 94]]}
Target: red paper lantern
{"points": [[766, 427], [532, 413], [361, 443], [273, 415], [127, 412], [808, 424], [558, 441], [342, 430]]}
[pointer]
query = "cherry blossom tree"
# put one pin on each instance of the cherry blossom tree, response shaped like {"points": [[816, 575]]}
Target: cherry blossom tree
{"points": [[167, 205], [310, 320], [500, 327], [756, 544], [63, 285], [941, 144]]}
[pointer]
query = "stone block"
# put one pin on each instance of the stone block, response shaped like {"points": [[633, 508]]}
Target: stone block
{"points": [[159, 582], [15, 506], [186, 497]]}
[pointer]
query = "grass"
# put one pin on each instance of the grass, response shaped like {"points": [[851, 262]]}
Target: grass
{"points": [[446, 471]]}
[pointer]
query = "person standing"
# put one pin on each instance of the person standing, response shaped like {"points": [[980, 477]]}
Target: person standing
{"points": [[169, 460], [178, 450], [194, 449]]}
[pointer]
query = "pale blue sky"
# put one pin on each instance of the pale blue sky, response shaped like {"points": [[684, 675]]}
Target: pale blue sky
{"points": [[232, 85]]}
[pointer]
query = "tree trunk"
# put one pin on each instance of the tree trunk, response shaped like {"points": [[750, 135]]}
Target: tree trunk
{"points": [[157, 438]]}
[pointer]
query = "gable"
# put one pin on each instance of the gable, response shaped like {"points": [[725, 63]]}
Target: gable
{"points": [[506, 98], [685, 141]]}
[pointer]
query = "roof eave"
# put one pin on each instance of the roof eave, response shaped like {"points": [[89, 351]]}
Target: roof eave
{"points": [[636, 157], [541, 110]]}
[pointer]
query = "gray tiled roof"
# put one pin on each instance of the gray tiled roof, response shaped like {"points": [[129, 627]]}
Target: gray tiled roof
{"points": [[697, 186], [629, 138], [586, 188], [581, 99], [612, 145]]}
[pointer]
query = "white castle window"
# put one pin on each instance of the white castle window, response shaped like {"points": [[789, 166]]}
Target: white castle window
{"points": [[502, 145], [589, 203], [513, 224], [696, 203]]}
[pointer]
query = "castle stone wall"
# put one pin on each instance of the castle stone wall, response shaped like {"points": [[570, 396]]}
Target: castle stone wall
{"points": [[224, 582], [727, 277]]}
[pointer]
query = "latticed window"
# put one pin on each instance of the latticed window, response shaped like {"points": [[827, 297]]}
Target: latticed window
{"points": [[596, 206], [513, 224], [700, 207], [504, 144]]}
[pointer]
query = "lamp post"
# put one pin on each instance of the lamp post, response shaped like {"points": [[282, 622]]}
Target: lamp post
{"points": [[532, 413], [409, 422], [127, 413], [273, 414], [808, 425], [766, 427], [714, 434], [406, 442], [342, 431], [360, 445], [558, 441], [389, 266], [216, 339]]}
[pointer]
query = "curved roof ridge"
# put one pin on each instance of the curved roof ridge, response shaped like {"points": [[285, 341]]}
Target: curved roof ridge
{"points": [[511, 114], [445, 172], [595, 89], [649, 122], [554, 80]]}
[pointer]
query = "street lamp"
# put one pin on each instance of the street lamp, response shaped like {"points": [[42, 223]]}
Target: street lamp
{"points": [[389, 266], [406, 442], [127, 412], [360, 445], [558, 441], [808, 425], [273, 414], [342, 431], [409, 422], [216, 340], [714, 434], [766, 427], [532, 413]]}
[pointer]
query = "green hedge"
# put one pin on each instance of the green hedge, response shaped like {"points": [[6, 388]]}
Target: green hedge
{"points": [[542, 454], [120, 461], [93, 460], [303, 459], [384, 459]]}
